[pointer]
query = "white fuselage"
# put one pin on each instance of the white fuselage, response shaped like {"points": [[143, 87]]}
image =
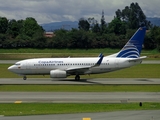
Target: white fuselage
{"points": [[128, 56], [43, 66]]}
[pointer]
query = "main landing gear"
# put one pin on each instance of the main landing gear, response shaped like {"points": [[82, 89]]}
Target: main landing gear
{"points": [[77, 77], [24, 78]]}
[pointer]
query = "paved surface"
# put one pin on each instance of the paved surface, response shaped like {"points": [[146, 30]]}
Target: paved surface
{"points": [[118, 97], [83, 81], [120, 115], [8, 61], [79, 97], [151, 62]]}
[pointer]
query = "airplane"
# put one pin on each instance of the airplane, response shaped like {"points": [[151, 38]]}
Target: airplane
{"points": [[128, 56]]}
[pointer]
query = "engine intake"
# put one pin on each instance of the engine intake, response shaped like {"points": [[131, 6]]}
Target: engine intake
{"points": [[58, 74]]}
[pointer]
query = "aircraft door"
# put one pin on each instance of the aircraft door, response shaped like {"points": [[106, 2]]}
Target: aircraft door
{"points": [[117, 63], [27, 65], [67, 65]]}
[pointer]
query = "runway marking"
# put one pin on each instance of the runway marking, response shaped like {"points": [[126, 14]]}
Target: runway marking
{"points": [[86, 119], [18, 102]]}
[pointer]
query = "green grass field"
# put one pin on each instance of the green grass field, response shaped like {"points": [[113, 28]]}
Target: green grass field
{"points": [[31, 50], [139, 71], [19, 54], [80, 88], [52, 108]]}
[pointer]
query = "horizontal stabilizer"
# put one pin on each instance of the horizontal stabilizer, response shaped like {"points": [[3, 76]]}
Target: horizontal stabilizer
{"points": [[137, 59]]}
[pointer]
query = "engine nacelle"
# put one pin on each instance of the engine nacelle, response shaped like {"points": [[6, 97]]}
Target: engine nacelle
{"points": [[58, 74]]}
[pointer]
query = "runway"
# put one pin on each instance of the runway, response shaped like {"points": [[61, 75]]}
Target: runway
{"points": [[119, 115], [78, 97], [71, 81]]}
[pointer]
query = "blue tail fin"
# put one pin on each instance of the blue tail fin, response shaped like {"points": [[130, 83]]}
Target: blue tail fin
{"points": [[133, 47]]}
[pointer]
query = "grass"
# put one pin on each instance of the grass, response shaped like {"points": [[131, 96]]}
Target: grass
{"points": [[80, 88], [48, 108], [101, 50], [139, 71], [31, 50], [25, 53]]}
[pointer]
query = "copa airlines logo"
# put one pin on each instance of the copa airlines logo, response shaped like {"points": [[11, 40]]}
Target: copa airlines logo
{"points": [[48, 62], [129, 51]]}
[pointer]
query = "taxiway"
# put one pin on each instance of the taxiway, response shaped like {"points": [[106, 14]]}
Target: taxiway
{"points": [[78, 97], [119, 115], [71, 81]]}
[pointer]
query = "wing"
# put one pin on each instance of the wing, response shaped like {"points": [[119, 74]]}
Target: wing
{"points": [[85, 69]]}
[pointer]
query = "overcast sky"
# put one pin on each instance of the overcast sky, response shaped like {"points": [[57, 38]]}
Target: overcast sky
{"points": [[46, 11]]}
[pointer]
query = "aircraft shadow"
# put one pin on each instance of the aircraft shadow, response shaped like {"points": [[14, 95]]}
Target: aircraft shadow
{"points": [[78, 81], [144, 80]]}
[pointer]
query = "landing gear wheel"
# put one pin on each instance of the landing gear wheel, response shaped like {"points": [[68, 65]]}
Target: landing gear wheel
{"points": [[24, 78], [77, 77]]}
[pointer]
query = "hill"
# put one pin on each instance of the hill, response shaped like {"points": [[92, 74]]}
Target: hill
{"points": [[68, 25], [154, 21]]}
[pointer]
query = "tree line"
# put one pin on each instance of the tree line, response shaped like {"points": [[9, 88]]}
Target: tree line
{"points": [[90, 34]]}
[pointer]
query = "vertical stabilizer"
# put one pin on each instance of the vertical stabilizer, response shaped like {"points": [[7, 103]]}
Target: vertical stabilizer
{"points": [[133, 47]]}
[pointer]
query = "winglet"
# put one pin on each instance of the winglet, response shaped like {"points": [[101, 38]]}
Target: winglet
{"points": [[100, 55], [99, 61]]}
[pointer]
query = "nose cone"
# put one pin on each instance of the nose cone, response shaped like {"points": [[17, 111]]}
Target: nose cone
{"points": [[11, 68]]}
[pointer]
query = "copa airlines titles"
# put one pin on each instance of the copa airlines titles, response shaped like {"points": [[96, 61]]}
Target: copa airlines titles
{"points": [[50, 62]]}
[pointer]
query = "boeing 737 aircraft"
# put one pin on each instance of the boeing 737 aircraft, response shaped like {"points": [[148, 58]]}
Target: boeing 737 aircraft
{"points": [[128, 56]]}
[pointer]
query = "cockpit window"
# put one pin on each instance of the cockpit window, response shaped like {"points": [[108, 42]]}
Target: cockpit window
{"points": [[17, 64]]}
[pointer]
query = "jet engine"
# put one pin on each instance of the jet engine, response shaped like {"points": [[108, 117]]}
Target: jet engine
{"points": [[58, 74]]}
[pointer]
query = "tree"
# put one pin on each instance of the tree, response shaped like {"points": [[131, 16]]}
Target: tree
{"points": [[94, 25], [149, 43], [13, 29], [3, 25], [103, 23], [96, 28], [31, 27], [158, 41], [133, 16], [118, 14], [60, 39], [20, 24], [117, 26], [2, 39], [83, 24], [155, 36]]}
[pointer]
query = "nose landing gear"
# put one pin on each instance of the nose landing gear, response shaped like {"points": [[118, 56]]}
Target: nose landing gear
{"points": [[77, 77], [24, 78]]}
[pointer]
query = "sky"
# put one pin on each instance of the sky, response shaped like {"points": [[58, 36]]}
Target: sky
{"points": [[46, 11]]}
